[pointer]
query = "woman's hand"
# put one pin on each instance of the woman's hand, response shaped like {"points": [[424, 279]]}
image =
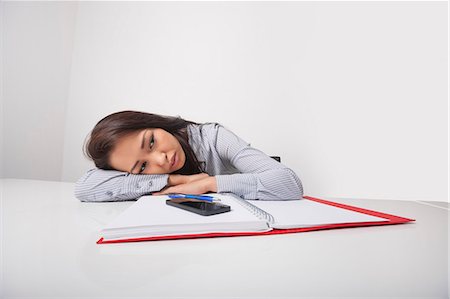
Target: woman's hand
{"points": [[193, 184], [178, 179]]}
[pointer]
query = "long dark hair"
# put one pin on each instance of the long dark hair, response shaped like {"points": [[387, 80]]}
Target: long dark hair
{"points": [[107, 131]]}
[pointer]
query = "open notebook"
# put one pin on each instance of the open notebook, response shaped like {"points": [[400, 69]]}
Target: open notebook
{"points": [[151, 219]]}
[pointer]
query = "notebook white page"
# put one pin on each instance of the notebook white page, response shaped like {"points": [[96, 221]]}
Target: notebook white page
{"points": [[151, 216], [305, 213]]}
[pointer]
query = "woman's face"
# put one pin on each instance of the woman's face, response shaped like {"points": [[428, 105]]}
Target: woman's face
{"points": [[148, 151]]}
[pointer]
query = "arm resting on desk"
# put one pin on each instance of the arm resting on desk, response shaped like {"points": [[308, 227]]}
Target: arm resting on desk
{"points": [[99, 185], [257, 176]]}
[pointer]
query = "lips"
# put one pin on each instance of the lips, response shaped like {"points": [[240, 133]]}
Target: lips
{"points": [[173, 161]]}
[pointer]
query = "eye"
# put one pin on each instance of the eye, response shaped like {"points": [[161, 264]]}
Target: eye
{"points": [[143, 167], [151, 141]]}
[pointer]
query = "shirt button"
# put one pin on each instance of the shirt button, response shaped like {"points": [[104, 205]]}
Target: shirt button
{"points": [[150, 183]]}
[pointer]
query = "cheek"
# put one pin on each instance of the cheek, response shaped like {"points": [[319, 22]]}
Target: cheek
{"points": [[174, 144], [115, 162]]}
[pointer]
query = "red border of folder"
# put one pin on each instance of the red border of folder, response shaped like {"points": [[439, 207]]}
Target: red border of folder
{"points": [[392, 220]]}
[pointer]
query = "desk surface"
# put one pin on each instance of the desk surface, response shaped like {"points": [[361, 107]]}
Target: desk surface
{"points": [[49, 251]]}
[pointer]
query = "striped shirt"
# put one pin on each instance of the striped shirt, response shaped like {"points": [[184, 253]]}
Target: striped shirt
{"points": [[237, 167]]}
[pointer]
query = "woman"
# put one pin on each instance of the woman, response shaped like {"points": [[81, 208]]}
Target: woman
{"points": [[139, 153]]}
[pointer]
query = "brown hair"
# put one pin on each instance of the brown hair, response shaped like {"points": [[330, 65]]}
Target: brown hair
{"points": [[107, 131]]}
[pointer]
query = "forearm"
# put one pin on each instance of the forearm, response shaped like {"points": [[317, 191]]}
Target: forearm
{"points": [[190, 184], [277, 184], [99, 185]]}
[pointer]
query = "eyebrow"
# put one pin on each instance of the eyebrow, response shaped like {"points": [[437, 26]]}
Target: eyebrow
{"points": [[143, 139], [142, 146], [131, 171]]}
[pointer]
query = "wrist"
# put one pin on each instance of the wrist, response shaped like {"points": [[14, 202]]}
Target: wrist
{"points": [[211, 184], [170, 181]]}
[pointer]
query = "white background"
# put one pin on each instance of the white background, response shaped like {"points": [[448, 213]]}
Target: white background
{"points": [[352, 95]]}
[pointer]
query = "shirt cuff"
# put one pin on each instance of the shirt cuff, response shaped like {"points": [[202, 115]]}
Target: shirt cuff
{"points": [[142, 184]]}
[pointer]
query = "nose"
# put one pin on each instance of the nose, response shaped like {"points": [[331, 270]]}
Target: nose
{"points": [[160, 158]]}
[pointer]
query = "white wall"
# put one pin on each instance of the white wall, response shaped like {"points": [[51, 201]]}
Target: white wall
{"points": [[38, 43], [352, 95], [1, 88]]}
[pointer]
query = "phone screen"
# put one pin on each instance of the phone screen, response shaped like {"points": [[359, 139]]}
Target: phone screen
{"points": [[200, 207]]}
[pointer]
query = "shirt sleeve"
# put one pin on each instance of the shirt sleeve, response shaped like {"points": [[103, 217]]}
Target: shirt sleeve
{"points": [[98, 185], [259, 177]]}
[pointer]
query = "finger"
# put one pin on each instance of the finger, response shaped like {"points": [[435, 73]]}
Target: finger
{"points": [[176, 179], [165, 191], [200, 176]]}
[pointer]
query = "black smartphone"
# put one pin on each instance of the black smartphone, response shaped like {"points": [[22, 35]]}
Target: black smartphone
{"points": [[198, 206]]}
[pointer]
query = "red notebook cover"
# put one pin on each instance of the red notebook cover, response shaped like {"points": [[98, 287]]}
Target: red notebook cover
{"points": [[392, 219]]}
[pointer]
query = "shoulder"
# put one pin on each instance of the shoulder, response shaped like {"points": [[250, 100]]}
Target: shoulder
{"points": [[215, 135], [203, 132], [211, 132]]}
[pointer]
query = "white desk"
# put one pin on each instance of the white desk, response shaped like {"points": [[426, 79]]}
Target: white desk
{"points": [[49, 251]]}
